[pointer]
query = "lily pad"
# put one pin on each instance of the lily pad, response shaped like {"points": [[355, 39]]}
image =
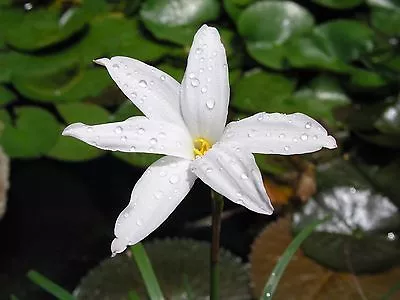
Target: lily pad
{"points": [[332, 45], [35, 132], [357, 238], [267, 26], [45, 27], [177, 20], [259, 91], [187, 259], [6, 96], [339, 4], [71, 85]]}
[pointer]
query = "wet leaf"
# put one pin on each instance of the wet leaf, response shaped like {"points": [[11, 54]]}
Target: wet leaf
{"points": [[71, 85], [34, 134], [177, 20], [356, 237], [188, 259], [260, 91], [44, 27], [304, 279], [267, 25]]}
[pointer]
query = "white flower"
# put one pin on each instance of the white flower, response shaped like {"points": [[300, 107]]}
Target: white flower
{"points": [[186, 122]]}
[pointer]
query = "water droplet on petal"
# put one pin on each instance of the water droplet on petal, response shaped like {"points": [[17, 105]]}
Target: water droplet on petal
{"points": [[153, 141], [308, 125], [143, 83], [124, 138], [282, 135], [133, 95], [315, 137], [162, 135], [210, 103], [158, 194], [260, 117], [191, 75], [139, 222], [286, 148], [140, 131], [195, 82], [162, 77], [118, 130], [115, 66], [126, 215], [244, 176], [204, 90], [89, 129], [174, 179], [163, 173], [198, 50], [251, 133], [201, 70], [132, 148], [209, 170]]}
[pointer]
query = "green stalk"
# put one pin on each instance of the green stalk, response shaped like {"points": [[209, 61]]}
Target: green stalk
{"points": [[217, 204]]}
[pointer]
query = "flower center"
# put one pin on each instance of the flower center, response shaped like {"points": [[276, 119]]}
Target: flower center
{"points": [[201, 146]]}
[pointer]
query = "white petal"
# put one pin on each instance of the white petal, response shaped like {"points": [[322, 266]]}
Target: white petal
{"points": [[205, 86], [233, 172], [279, 134], [137, 134], [154, 92], [154, 197]]}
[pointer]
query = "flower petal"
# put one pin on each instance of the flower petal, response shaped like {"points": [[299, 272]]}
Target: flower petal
{"points": [[279, 134], [233, 172], [154, 92], [137, 134], [154, 197], [205, 86]]}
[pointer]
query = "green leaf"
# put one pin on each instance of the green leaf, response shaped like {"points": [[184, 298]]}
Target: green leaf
{"points": [[175, 72], [71, 85], [389, 4], [177, 20], [267, 26], [6, 96], [125, 111], [140, 160], [49, 286], [146, 270], [259, 91], [285, 259], [386, 21], [45, 27], [332, 45], [339, 4], [362, 78], [71, 149], [356, 237], [35, 132], [132, 295]]}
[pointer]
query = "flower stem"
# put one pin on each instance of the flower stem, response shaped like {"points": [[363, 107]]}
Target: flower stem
{"points": [[217, 204]]}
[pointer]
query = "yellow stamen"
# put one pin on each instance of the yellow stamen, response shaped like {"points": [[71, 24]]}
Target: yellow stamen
{"points": [[201, 146]]}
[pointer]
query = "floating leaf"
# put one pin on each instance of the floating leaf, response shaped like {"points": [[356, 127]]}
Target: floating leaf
{"points": [[70, 149], [339, 4], [71, 85], [44, 27], [259, 91], [356, 237], [35, 132], [332, 45], [187, 259], [6, 96], [267, 25], [177, 20], [306, 280]]}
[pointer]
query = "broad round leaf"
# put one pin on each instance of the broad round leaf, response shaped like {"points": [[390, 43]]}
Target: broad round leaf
{"points": [[386, 20], [42, 28], [187, 260], [6, 96], [267, 25], [35, 132], [259, 91], [357, 237], [177, 20]]}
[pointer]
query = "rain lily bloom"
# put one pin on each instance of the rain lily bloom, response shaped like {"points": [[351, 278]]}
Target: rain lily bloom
{"points": [[186, 122]]}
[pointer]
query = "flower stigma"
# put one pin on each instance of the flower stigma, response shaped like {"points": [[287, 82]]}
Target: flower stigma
{"points": [[201, 146]]}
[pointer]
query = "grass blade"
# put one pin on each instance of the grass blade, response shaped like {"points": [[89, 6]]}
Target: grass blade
{"points": [[132, 295], [49, 286], [284, 260], [146, 270]]}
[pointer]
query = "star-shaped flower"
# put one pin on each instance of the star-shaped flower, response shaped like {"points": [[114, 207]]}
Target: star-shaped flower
{"points": [[186, 122]]}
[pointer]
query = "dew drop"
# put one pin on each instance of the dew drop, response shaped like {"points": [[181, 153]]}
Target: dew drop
{"points": [[295, 140], [304, 137], [268, 294], [126, 215], [162, 77], [194, 82], [125, 86], [139, 222], [132, 148], [143, 83], [315, 137], [201, 70], [140, 131], [204, 90], [158, 194], [173, 179], [210, 103], [178, 144], [282, 135], [210, 68], [308, 125], [163, 173], [133, 95], [244, 176], [89, 129], [115, 66], [199, 51], [209, 170], [153, 141], [124, 139], [118, 130], [151, 82], [260, 117], [251, 133], [286, 148], [191, 75], [162, 135]]}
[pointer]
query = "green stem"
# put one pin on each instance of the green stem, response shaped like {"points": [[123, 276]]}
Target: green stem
{"points": [[217, 204]]}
